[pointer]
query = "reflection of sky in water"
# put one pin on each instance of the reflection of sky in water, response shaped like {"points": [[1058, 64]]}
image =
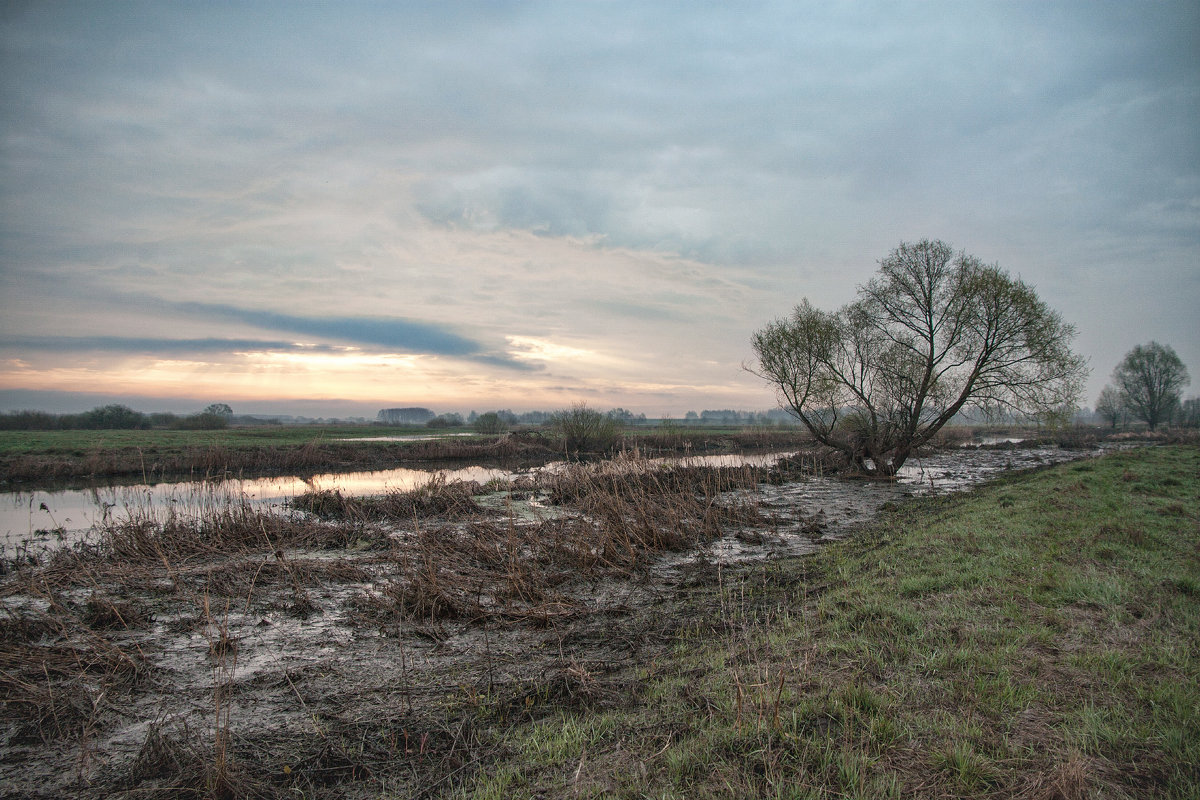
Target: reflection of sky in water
{"points": [[23, 514]]}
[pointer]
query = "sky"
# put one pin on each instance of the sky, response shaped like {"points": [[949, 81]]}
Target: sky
{"points": [[330, 208]]}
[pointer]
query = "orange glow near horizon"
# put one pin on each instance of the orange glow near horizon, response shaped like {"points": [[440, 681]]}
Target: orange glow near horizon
{"points": [[369, 378]]}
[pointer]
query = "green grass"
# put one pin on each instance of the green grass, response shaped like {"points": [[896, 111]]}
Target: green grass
{"points": [[76, 441], [41, 456], [1037, 637]]}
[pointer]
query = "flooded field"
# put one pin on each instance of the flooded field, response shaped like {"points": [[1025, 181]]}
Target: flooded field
{"points": [[272, 638], [40, 517]]}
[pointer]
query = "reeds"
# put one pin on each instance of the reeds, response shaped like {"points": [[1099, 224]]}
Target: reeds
{"points": [[623, 513], [453, 499]]}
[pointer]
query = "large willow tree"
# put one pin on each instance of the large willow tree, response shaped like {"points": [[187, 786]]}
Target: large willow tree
{"points": [[933, 333]]}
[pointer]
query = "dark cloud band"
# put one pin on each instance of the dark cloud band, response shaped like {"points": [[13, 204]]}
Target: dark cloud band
{"points": [[152, 346], [389, 332]]}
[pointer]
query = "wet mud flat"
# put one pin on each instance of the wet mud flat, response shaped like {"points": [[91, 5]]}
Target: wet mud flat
{"points": [[349, 647]]}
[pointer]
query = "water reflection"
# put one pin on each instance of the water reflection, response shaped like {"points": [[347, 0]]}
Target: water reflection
{"points": [[42, 515], [46, 516]]}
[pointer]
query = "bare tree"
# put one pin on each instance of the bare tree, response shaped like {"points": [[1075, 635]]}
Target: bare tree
{"points": [[1110, 407], [933, 333], [1150, 378]]}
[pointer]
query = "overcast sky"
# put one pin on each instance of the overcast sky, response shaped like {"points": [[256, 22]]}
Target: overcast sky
{"points": [[330, 208]]}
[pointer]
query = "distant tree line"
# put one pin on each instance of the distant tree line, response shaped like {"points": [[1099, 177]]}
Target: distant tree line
{"points": [[729, 416], [500, 420], [116, 417], [405, 416]]}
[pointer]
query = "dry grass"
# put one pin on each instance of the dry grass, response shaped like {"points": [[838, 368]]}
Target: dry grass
{"points": [[625, 512], [438, 497], [56, 672]]}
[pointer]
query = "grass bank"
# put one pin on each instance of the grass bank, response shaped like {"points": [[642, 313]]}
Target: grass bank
{"points": [[29, 457], [1037, 638]]}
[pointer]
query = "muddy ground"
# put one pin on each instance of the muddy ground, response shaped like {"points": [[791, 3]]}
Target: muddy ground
{"points": [[352, 648]]}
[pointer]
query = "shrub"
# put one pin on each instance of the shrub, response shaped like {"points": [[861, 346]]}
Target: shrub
{"points": [[490, 423], [113, 417], [585, 430]]}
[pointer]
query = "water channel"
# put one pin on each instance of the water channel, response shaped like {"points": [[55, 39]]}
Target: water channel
{"points": [[45, 517]]}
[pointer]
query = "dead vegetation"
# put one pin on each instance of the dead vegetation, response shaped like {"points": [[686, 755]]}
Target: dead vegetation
{"points": [[181, 626], [430, 643], [439, 497]]}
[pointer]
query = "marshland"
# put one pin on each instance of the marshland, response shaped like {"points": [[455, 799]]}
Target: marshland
{"points": [[636, 625]]}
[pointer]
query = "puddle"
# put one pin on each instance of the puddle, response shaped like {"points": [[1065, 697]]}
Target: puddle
{"points": [[42, 517]]}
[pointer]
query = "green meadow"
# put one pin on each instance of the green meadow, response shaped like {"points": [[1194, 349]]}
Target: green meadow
{"points": [[158, 439]]}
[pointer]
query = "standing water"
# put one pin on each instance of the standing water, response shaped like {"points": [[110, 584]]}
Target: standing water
{"points": [[42, 516]]}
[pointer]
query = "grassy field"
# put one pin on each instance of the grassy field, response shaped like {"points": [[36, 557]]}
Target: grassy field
{"points": [[40, 456], [1039, 638], [163, 440], [80, 441]]}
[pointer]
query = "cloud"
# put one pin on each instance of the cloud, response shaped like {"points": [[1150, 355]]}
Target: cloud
{"points": [[388, 332], [392, 334], [582, 173]]}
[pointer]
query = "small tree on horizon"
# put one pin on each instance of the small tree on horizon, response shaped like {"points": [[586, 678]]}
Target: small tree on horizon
{"points": [[1189, 413], [933, 333]]}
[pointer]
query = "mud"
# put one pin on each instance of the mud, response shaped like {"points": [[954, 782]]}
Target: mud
{"points": [[287, 672]]}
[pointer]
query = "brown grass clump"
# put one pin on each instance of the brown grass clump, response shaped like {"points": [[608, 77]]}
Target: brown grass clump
{"points": [[628, 512], [452, 499], [179, 763], [479, 571], [813, 461], [1067, 781], [56, 673], [106, 613], [236, 528]]}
